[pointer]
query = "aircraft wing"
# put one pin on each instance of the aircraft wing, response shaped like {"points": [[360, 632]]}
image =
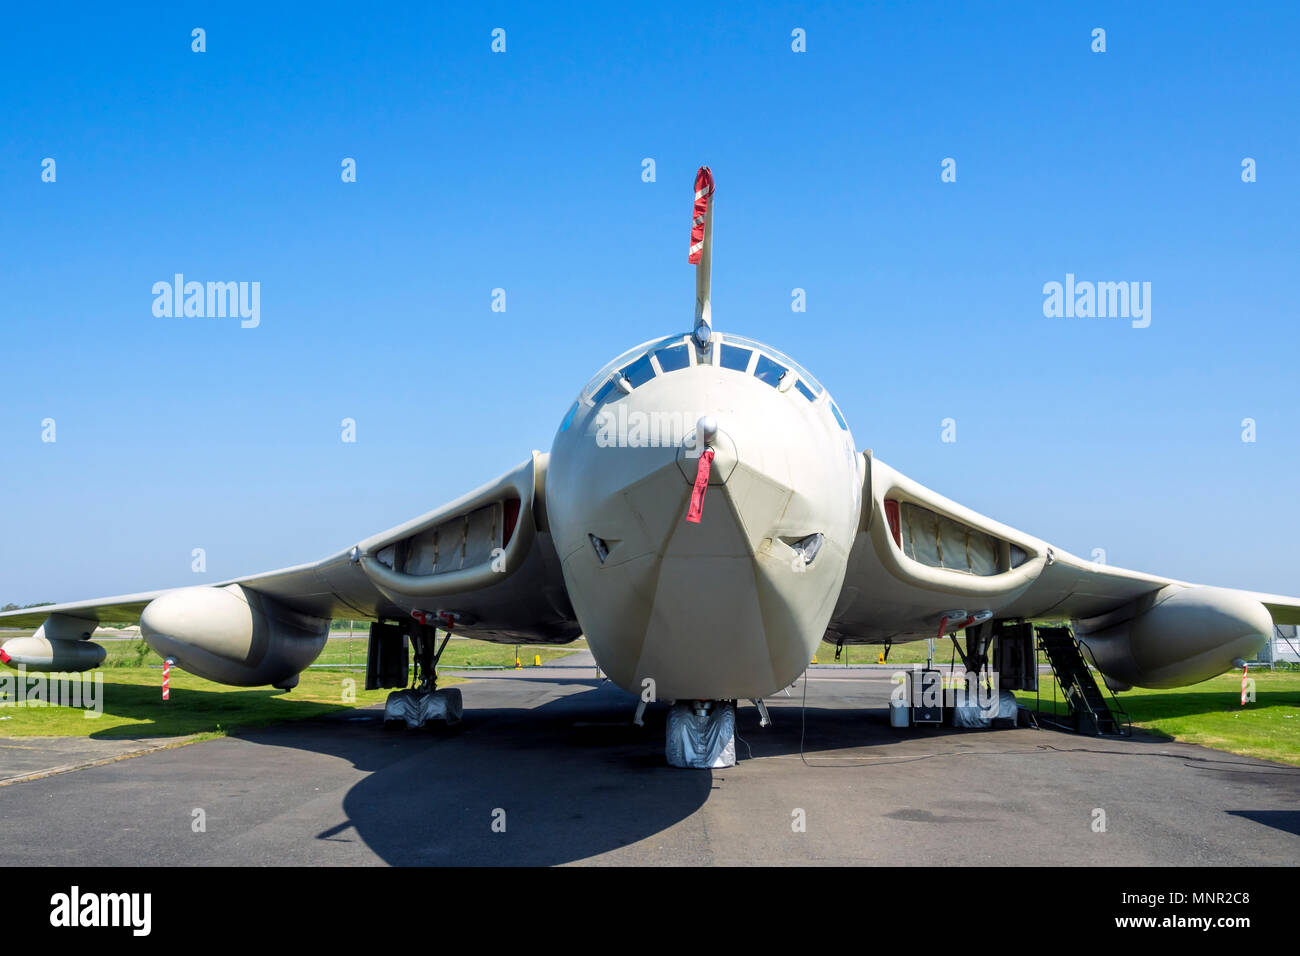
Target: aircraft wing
{"points": [[918, 554], [486, 559]]}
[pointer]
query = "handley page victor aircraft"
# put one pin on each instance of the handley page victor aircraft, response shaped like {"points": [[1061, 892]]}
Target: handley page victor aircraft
{"points": [[705, 520]]}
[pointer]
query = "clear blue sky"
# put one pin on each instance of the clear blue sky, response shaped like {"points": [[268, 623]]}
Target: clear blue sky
{"points": [[523, 171]]}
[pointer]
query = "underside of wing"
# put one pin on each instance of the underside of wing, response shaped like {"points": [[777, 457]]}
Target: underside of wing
{"points": [[124, 608], [482, 565], [300, 587], [485, 562], [921, 561]]}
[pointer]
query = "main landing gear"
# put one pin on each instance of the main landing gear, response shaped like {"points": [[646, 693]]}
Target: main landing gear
{"points": [[423, 702]]}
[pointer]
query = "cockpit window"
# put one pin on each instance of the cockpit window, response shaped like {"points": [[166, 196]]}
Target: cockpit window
{"points": [[634, 368], [568, 419], [769, 371], [601, 384], [810, 384], [673, 358], [639, 372], [734, 358], [603, 392]]}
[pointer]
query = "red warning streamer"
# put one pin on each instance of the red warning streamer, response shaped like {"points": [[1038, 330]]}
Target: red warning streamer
{"points": [[167, 678], [1244, 668], [703, 196], [696, 511]]}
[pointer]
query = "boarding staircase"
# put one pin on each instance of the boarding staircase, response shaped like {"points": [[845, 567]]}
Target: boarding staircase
{"points": [[1089, 709]]}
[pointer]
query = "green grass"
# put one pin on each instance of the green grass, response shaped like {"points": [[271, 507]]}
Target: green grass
{"points": [[132, 693], [1211, 714], [912, 652], [460, 652], [344, 652], [133, 706]]}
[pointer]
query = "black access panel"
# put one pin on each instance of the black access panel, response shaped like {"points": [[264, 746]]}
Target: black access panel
{"points": [[388, 660], [927, 696], [1014, 660]]}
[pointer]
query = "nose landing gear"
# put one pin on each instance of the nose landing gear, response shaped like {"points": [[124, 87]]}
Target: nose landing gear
{"points": [[702, 734]]}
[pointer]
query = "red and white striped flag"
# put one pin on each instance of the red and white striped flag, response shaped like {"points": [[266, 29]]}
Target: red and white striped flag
{"points": [[703, 196]]}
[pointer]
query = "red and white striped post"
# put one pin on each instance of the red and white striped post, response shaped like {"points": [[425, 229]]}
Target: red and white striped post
{"points": [[167, 678], [1244, 667]]}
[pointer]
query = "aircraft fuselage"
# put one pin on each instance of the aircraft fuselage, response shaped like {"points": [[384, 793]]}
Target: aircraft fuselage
{"points": [[735, 605]]}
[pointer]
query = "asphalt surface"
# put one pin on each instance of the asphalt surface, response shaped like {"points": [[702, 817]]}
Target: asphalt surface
{"points": [[552, 753], [25, 757]]}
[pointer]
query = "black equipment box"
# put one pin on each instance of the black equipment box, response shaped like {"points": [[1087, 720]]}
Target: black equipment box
{"points": [[388, 661], [927, 696]]}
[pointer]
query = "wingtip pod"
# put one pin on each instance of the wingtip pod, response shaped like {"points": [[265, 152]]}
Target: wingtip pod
{"points": [[41, 654], [1188, 635]]}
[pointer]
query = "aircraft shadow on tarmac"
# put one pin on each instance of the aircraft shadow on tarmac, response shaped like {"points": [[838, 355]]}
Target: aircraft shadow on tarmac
{"points": [[1288, 821], [570, 779], [201, 711], [194, 711], [573, 778]]}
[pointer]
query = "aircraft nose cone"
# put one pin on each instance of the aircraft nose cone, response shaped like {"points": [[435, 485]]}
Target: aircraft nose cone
{"points": [[715, 609], [708, 435]]}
